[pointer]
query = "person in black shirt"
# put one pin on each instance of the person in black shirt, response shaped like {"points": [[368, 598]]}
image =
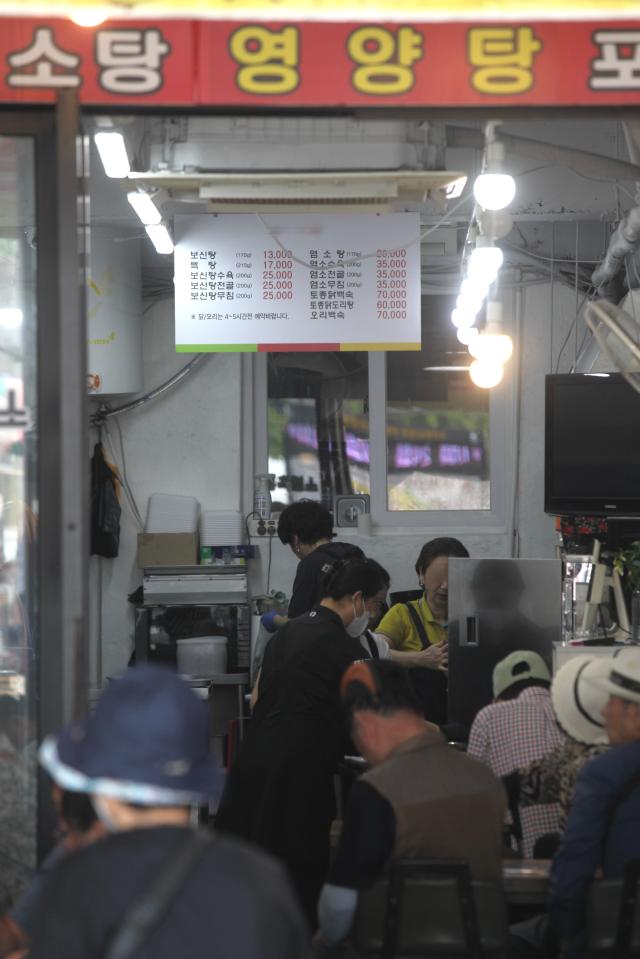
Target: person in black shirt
{"points": [[307, 527], [280, 793], [143, 757], [419, 799]]}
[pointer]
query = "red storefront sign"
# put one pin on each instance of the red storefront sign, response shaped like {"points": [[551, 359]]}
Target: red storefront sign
{"points": [[213, 63]]}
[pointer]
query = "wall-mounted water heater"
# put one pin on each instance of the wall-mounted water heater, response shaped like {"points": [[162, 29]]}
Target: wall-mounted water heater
{"points": [[114, 310]]}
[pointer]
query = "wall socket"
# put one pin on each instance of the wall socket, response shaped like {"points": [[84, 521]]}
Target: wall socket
{"points": [[262, 528]]}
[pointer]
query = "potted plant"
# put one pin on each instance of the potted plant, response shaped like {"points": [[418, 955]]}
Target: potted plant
{"points": [[627, 563], [579, 532]]}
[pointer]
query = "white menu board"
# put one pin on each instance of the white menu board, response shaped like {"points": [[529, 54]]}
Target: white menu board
{"points": [[308, 281]]}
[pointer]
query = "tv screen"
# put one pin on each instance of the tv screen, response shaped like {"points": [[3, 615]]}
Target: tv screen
{"points": [[592, 445]]}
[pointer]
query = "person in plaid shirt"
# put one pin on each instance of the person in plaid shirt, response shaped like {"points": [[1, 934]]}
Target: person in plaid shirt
{"points": [[518, 727]]}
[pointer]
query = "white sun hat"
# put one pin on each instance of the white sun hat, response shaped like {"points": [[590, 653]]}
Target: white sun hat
{"points": [[578, 698], [623, 676]]}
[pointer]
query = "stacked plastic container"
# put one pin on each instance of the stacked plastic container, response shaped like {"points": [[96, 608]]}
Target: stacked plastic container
{"points": [[170, 513], [221, 528]]}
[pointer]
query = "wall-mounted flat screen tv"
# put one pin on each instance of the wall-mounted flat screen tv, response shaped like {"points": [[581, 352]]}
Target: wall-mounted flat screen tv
{"points": [[592, 445]]}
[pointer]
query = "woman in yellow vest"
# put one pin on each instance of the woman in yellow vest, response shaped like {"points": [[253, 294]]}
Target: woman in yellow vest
{"points": [[417, 630]]}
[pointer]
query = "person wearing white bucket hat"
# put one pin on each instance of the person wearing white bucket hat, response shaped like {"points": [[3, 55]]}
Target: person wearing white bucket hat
{"points": [[603, 829], [578, 700], [577, 704]]}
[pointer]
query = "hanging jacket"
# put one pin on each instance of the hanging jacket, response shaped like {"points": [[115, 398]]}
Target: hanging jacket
{"points": [[105, 506]]}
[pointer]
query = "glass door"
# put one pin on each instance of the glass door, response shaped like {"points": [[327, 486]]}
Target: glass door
{"points": [[18, 513], [41, 403]]}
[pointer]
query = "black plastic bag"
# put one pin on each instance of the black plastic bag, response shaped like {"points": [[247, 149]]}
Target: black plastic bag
{"points": [[105, 506]]}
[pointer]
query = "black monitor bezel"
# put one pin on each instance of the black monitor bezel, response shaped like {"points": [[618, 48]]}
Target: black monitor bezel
{"points": [[576, 505]]}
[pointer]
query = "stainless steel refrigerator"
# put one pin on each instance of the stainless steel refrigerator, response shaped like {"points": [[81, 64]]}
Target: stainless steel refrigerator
{"points": [[497, 606]]}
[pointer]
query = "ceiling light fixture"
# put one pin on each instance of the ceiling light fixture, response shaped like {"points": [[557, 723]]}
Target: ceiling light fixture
{"points": [[144, 206], [159, 236], [113, 154]]}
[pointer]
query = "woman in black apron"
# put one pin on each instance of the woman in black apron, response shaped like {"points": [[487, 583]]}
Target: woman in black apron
{"points": [[280, 791]]}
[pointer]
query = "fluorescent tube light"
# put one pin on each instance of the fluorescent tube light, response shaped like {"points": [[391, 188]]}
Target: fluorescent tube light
{"points": [[113, 154], [144, 206], [159, 236]]}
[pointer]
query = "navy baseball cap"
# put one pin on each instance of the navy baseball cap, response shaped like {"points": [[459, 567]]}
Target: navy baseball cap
{"points": [[147, 742]]}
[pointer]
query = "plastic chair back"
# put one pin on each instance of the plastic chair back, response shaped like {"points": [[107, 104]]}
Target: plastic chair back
{"points": [[613, 916], [432, 909]]}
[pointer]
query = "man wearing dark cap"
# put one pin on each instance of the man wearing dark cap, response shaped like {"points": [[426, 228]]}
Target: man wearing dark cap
{"points": [[155, 887], [421, 798]]}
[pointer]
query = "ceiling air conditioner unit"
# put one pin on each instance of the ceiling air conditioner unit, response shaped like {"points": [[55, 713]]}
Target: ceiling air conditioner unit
{"points": [[370, 190]]}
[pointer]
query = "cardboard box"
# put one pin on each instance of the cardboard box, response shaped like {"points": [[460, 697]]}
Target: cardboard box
{"points": [[168, 549]]}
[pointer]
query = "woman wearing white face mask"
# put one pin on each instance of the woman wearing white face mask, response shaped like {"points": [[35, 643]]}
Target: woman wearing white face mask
{"points": [[280, 792]]}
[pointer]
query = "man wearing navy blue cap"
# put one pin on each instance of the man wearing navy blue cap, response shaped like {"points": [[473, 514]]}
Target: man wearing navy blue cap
{"points": [[154, 887]]}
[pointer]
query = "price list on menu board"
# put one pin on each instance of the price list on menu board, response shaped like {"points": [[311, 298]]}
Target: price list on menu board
{"points": [[297, 281]]}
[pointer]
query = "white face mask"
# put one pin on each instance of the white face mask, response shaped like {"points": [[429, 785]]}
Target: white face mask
{"points": [[358, 624], [103, 814]]}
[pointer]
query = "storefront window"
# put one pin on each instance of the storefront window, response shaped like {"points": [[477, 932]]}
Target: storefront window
{"points": [[438, 452], [437, 423], [318, 426], [18, 506]]}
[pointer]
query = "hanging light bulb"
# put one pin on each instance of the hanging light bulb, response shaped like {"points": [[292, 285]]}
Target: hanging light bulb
{"points": [[485, 261], [492, 345], [463, 318], [466, 334], [493, 189], [469, 303], [495, 224], [475, 287], [486, 373]]}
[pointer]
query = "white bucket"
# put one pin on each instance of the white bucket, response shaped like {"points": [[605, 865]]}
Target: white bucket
{"points": [[202, 655]]}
